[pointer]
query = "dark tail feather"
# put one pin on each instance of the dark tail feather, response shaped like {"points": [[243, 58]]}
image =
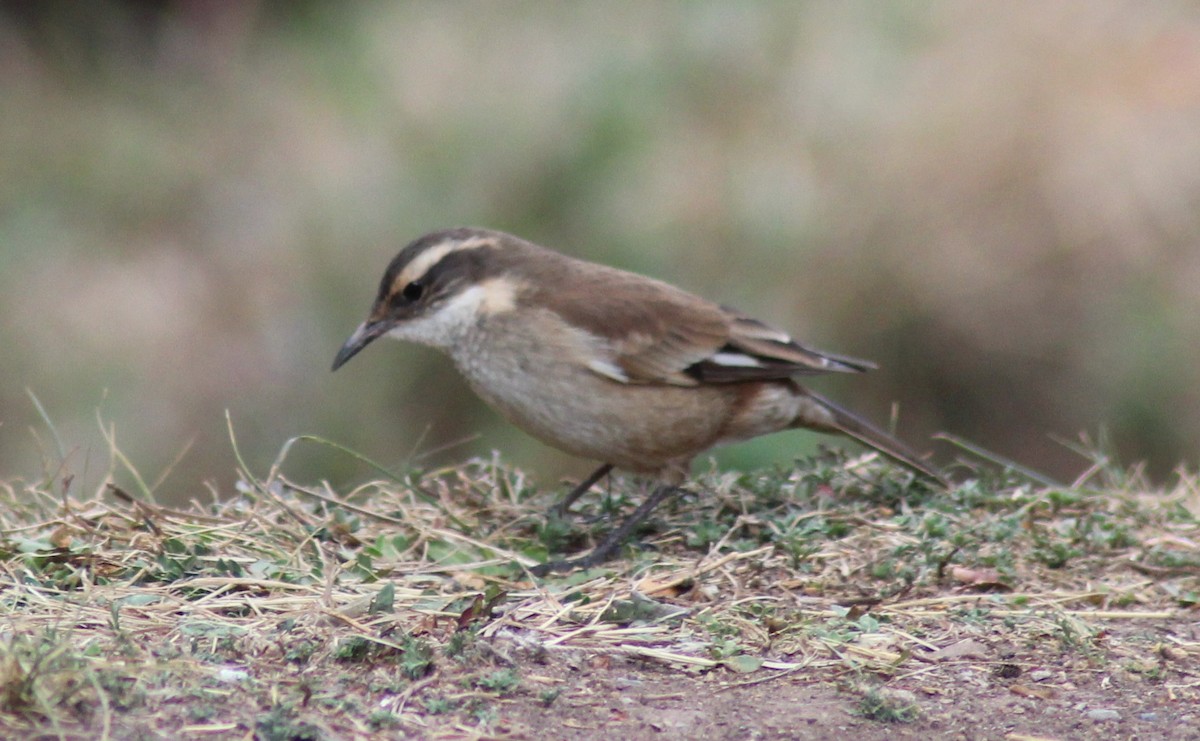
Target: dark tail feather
{"points": [[852, 425]]}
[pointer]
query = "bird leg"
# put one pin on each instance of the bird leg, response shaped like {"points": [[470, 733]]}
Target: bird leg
{"points": [[560, 510], [607, 547]]}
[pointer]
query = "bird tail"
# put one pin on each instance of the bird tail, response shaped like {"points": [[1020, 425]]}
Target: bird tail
{"points": [[850, 424]]}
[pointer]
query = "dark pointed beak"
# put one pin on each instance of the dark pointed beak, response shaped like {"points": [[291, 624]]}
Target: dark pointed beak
{"points": [[366, 333]]}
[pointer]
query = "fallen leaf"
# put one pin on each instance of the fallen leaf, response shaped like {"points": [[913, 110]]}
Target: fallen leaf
{"points": [[569, 723], [979, 579], [425, 626], [61, 537], [469, 580], [968, 648], [1041, 692], [654, 588]]}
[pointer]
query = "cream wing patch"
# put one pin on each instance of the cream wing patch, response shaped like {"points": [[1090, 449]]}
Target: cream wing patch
{"points": [[608, 369], [736, 359]]}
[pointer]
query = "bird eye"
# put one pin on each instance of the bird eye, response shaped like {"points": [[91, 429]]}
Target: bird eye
{"points": [[413, 291]]}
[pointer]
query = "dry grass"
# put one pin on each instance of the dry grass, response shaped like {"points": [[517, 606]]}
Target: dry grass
{"points": [[300, 612]]}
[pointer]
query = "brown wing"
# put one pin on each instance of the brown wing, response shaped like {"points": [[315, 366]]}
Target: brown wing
{"points": [[650, 332], [653, 332], [758, 351]]}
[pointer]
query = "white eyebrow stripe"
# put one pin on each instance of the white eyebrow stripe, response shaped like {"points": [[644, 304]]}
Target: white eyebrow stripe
{"points": [[423, 262], [736, 359]]}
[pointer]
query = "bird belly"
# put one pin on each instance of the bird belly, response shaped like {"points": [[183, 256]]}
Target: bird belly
{"points": [[641, 428]]}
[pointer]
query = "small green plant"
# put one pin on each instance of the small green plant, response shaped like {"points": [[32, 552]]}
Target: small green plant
{"points": [[975, 615], [339, 703], [1055, 554], [384, 600], [704, 533], [461, 644], [716, 627], [417, 659], [500, 682], [556, 534], [354, 648], [724, 648], [282, 724], [382, 720], [1152, 671], [1073, 634], [483, 713], [888, 706], [199, 711], [437, 705], [301, 651]]}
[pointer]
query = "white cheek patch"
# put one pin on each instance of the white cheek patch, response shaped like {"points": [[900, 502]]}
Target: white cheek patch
{"points": [[425, 330], [735, 360], [444, 325]]}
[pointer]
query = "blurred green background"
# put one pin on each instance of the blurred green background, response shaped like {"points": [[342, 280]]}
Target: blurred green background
{"points": [[998, 202]]}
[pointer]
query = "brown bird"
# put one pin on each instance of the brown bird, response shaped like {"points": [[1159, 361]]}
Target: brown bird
{"points": [[606, 364]]}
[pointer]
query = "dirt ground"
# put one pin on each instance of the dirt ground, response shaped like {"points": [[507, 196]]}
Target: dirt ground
{"points": [[633, 700], [984, 689], [994, 693]]}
